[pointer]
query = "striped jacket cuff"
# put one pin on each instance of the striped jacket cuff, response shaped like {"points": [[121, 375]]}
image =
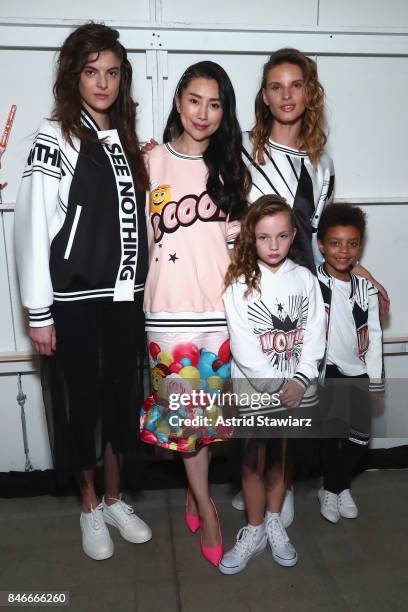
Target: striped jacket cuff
{"points": [[376, 386], [302, 380], [358, 437], [40, 317]]}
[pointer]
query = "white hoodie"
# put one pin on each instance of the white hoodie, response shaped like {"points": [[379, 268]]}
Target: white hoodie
{"points": [[278, 332]]}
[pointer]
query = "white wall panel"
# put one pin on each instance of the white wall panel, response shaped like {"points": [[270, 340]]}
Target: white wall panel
{"points": [[19, 314], [12, 455], [264, 12], [366, 13], [385, 255], [366, 99], [136, 10], [7, 344], [11, 439], [27, 78], [38, 441], [390, 423], [143, 95]]}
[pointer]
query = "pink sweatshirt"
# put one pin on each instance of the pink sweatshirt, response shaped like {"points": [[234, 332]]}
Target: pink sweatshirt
{"points": [[188, 251]]}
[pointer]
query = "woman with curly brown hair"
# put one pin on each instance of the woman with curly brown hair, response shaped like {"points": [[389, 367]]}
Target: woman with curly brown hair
{"points": [[81, 251], [285, 155], [285, 149]]}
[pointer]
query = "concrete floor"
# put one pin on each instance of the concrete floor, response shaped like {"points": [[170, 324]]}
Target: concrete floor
{"points": [[355, 565]]}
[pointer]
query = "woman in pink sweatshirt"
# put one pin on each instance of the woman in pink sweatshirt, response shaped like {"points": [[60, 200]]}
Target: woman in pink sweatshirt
{"points": [[198, 185]]}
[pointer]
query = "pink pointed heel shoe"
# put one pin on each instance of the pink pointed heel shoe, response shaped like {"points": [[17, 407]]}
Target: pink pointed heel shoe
{"points": [[213, 554], [192, 521]]}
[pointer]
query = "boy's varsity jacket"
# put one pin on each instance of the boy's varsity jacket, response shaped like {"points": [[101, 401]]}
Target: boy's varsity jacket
{"points": [[80, 228], [364, 302]]}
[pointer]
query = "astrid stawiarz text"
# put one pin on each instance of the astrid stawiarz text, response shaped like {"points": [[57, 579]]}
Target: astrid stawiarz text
{"points": [[207, 401]]}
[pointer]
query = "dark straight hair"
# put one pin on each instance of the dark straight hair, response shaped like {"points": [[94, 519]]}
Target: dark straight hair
{"points": [[228, 179]]}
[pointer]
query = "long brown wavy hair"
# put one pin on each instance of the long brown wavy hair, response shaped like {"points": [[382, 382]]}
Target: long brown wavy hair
{"points": [[312, 137], [84, 41], [245, 258]]}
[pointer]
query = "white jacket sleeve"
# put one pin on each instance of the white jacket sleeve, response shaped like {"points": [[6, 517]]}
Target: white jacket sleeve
{"points": [[314, 338], [373, 356], [245, 348], [37, 201]]}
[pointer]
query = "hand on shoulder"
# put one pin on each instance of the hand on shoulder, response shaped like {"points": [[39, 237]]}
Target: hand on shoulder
{"points": [[149, 146]]}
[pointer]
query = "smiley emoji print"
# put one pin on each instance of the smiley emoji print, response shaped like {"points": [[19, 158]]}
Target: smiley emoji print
{"points": [[159, 196]]}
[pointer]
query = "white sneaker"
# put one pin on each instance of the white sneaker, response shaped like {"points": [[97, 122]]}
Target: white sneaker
{"points": [[288, 507], [283, 552], [329, 505], [130, 526], [287, 513], [346, 505], [238, 501], [251, 541], [96, 541]]}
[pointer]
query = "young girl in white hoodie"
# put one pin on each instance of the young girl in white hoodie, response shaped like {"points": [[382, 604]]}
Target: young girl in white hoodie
{"points": [[276, 322]]}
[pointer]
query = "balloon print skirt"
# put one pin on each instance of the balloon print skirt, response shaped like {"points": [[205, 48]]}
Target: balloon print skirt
{"points": [[190, 373]]}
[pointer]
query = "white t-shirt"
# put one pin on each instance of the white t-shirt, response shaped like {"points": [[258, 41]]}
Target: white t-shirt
{"points": [[342, 347]]}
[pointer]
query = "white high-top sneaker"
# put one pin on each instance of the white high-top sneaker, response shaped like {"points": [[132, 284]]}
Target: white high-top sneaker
{"points": [[251, 541], [283, 552]]}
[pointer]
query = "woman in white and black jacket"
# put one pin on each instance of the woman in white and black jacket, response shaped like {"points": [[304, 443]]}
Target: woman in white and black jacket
{"points": [[81, 252]]}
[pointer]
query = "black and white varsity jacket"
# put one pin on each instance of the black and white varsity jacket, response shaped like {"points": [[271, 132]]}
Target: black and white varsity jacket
{"points": [[80, 227], [290, 174], [364, 303]]}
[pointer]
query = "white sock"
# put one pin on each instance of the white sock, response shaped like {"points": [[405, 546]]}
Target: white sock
{"points": [[261, 526], [272, 515], [260, 530]]}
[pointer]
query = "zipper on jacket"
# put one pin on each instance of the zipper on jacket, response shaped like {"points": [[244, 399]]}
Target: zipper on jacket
{"points": [[72, 232]]}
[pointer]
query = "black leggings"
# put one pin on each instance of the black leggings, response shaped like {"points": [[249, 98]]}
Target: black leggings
{"points": [[346, 427]]}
